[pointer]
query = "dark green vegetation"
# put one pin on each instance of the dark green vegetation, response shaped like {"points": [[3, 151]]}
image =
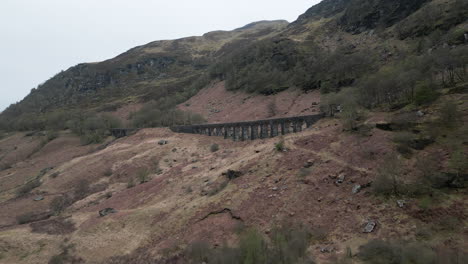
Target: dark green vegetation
{"points": [[214, 147], [288, 245], [284, 246], [401, 252]]}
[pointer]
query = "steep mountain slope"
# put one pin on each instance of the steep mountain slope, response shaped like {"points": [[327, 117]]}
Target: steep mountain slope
{"points": [[169, 196], [158, 69]]}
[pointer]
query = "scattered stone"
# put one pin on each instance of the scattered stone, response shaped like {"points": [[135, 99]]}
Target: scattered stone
{"points": [[257, 151], [357, 188], [292, 214], [309, 164], [327, 249], [341, 178], [107, 211], [39, 198], [319, 199], [401, 203], [420, 113], [275, 188], [306, 181], [370, 226], [163, 142]]}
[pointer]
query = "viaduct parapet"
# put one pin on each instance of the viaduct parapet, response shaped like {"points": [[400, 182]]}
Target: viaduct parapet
{"points": [[252, 130]]}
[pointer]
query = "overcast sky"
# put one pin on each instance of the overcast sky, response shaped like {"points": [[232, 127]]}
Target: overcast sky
{"points": [[39, 38]]}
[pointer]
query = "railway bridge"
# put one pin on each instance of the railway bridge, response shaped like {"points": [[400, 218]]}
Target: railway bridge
{"points": [[251, 130]]}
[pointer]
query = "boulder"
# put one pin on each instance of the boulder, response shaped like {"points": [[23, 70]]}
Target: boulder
{"points": [[327, 249], [309, 164], [107, 211], [163, 142], [370, 226], [401, 203], [38, 198], [341, 178], [357, 188]]}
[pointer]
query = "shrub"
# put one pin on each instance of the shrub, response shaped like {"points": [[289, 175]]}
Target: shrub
{"points": [[5, 166], [92, 137], [28, 187], [156, 168], [382, 252], [130, 183], [272, 109], [303, 172], [388, 180], [280, 146], [253, 247], [108, 172], [26, 218], [425, 93], [404, 140], [143, 176], [218, 188], [199, 252], [449, 115], [153, 114], [457, 161], [65, 256], [60, 203], [288, 246], [82, 189], [55, 175], [214, 147]]}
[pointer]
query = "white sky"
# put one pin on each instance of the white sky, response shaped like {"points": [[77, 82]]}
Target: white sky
{"points": [[39, 38]]}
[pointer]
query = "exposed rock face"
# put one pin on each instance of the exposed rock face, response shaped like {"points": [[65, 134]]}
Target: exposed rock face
{"points": [[363, 15], [326, 8]]}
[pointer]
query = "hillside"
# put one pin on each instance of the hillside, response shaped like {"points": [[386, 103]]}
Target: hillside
{"points": [[383, 180]]}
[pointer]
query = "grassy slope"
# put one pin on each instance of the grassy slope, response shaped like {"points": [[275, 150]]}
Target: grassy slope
{"points": [[166, 211]]}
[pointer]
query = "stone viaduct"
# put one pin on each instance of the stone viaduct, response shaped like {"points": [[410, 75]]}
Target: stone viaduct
{"points": [[252, 130]]}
